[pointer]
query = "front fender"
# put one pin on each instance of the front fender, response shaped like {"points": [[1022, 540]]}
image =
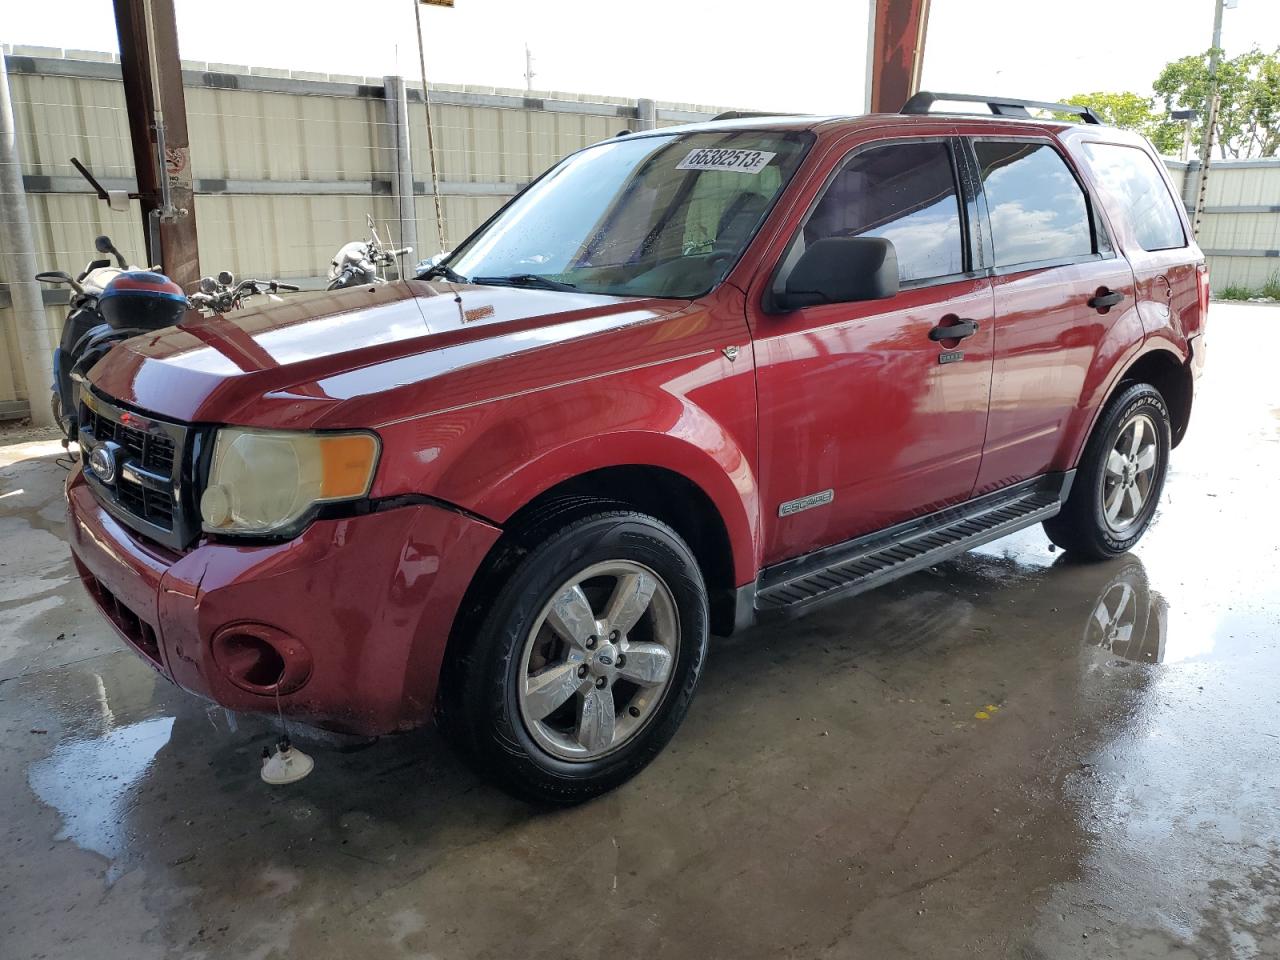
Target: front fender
{"points": [[494, 458]]}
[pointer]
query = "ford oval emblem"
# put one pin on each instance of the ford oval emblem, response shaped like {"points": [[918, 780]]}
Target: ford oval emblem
{"points": [[102, 461], [605, 659]]}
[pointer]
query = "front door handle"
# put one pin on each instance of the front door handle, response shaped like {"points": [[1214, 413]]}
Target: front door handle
{"points": [[956, 331], [1104, 301]]}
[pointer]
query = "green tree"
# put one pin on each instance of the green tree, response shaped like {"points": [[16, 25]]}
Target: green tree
{"points": [[1249, 104], [1131, 111]]}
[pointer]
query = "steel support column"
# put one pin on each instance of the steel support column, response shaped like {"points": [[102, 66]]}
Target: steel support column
{"points": [[397, 98], [895, 52], [157, 108], [35, 346]]}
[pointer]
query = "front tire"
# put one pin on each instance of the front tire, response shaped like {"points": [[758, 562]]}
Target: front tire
{"points": [[586, 661], [1120, 478]]}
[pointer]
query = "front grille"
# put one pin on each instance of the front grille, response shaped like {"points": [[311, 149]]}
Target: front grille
{"points": [[153, 450], [150, 490]]}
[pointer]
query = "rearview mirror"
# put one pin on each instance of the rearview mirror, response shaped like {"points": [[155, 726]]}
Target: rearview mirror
{"points": [[841, 270], [102, 244]]}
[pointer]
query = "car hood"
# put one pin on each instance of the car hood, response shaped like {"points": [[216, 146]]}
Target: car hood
{"points": [[295, 362]]}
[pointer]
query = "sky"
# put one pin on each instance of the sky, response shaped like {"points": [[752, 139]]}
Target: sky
{"points": [[803, 55]]}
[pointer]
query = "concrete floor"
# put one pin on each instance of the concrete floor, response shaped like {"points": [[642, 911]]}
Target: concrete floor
{"points": [[962, 764]]}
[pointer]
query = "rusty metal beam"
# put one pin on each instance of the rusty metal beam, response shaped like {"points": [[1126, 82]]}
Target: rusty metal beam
{"points": [[147, 72], [895, 53]]}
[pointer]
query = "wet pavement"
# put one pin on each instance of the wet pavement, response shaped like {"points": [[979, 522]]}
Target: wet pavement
{"points": [[1009, 755]]}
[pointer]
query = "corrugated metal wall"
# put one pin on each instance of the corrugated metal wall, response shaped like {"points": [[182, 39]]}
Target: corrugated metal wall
{"points": [[287, 168]]}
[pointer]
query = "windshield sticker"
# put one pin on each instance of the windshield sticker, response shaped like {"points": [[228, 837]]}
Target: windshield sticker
{"points": [[738, 161]]}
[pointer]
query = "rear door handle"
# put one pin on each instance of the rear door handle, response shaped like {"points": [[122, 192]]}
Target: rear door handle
{"points": [[1102, 301], [957, 331]]}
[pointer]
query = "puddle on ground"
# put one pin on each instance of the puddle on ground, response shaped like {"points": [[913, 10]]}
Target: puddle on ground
{"points": [[89, 783]]}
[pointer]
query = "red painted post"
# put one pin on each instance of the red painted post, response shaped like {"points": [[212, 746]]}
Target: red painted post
{"points": [[896, 52], [171, 234]]}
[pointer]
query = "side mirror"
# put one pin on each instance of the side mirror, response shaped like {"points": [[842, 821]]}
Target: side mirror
{"points": [[841, 270], [103, 244], [57, 276]]}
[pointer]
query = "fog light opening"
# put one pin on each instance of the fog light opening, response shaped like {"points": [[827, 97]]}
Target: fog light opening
{"points": [[252, 661]]}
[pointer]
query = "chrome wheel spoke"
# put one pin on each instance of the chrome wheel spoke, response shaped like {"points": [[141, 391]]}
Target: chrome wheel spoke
{"points": [[1135, 442], [1134, 496], [549, 689], [631, 597], [1116, 464], [596, 720], [1111, 505], [571, 616], [1146, 458], [647, 664]]}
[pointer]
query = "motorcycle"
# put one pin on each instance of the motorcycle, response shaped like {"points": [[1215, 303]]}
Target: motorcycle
{"points": [[222, 294], [89, 331], [110, 304], [363, 261]]}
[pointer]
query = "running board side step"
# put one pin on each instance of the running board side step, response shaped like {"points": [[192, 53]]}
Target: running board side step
{"points": [[805, 583]]}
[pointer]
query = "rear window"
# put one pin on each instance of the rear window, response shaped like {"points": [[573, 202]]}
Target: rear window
{"points": [[1038, 211], [1131, 182]]}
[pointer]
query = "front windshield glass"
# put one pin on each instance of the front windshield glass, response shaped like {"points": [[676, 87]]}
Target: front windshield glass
{"points": [[656, 216]]}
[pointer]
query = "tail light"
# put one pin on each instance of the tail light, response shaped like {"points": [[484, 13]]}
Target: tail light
{"points": [[1202, 287]]}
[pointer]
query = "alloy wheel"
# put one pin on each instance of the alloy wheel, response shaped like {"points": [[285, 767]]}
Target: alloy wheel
{"points": [[1130, 473], [598, 660]]}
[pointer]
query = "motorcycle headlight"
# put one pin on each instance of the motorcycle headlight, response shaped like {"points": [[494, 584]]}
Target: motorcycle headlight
{"points": [[264, 482]]}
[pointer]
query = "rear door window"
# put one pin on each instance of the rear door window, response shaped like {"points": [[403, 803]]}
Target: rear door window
{"points": [[1130, 180], [1038, 210], [903, 192]]}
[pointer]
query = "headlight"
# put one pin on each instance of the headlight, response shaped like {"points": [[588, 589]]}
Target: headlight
{"points": [[265, 481]]}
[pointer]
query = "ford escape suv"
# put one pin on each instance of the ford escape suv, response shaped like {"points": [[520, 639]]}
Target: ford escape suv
{"points": [[688, 380]]}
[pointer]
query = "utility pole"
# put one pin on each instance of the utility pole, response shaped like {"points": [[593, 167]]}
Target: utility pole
{"points": [[1211, 118], [528, 69]]}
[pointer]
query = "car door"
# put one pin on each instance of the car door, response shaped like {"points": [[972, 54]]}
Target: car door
{"points": [[865, 421], [1059, 288]]}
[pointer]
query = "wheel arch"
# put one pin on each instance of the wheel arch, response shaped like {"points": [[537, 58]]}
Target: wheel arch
{"points": [[658, 491], [1165, 371]]}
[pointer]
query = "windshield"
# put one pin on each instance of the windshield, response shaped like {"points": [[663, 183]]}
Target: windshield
{"points": [[655, 216]]}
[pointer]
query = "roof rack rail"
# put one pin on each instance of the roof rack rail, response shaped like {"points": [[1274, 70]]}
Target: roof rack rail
{"points": [[921, 103], [741, 115]]}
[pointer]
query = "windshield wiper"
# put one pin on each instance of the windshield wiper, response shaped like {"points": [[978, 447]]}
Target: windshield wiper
{"points": [[443, 270], [526, 280]]}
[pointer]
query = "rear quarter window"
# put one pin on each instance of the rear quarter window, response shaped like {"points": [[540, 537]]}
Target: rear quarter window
{"points": [[1135, 191]]}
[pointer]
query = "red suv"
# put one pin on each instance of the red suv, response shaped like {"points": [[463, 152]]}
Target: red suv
{"points": [[688, 380]]}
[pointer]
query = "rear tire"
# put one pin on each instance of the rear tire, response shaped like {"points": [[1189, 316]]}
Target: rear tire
{"points": [[1121, 476], [585, 662]]}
